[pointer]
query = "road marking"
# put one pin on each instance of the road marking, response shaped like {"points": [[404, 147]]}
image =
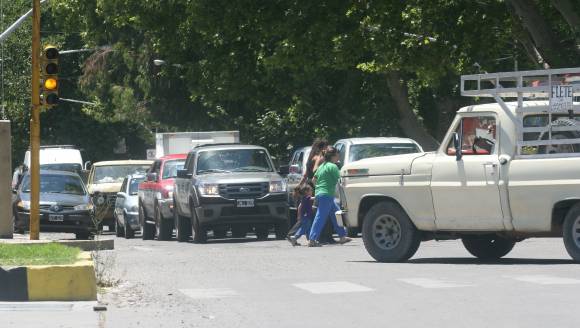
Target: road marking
{"points": [[547, 280], [209, 293], [332, 287], [433, 283]]}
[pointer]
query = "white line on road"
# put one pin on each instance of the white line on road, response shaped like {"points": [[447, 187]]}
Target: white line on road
{"points": [[433, 283], [332, 287], [209, 293], [547, 280]]}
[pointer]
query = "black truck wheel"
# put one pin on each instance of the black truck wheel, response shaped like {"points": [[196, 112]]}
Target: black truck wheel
{"points": [[182, 227], [489, 247], [199, 231], [388, 233], [163, 227], [147, 230], [571, 232]]}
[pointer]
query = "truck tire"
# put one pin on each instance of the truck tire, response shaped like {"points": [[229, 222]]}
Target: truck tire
{"points": [[571, 232], [163, 227], [129, 232], [388, 233], [199, 231], [281, 230], [82, 235], [118, 230], [182, 227], [489, 247], [147, 230]]}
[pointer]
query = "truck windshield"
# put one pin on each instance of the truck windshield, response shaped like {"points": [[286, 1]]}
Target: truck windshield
{"points": [[233, 160], [358, 152], [170, 168], [56, 184], [69, 167], [116, 173]]}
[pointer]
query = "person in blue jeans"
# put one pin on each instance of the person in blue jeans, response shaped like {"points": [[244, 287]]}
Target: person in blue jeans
{"points": [[305, 212], [325, 179]]}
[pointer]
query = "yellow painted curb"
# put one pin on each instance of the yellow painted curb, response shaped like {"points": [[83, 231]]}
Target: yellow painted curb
{"points": [[74, 282]]}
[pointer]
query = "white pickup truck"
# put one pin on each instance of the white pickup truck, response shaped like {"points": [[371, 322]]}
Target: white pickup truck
{"points": [[505, 171]]}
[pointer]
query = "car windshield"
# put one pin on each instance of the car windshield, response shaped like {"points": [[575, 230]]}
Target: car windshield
{"points": [[170, 168], [116, 173], [358, 152], [233, 160], [57, 184], [69, 167], [134, 185]]}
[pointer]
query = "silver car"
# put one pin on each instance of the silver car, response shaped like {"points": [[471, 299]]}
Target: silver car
{"points": [[127, 207]]}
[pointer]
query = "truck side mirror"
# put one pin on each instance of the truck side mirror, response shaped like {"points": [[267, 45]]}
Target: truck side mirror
{"points": [[284, 170], [183, 174], [457, 145], [152, 177], [87, 165]]}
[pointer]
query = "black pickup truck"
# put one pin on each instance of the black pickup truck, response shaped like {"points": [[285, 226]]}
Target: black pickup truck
{"points": [[229, 186]]}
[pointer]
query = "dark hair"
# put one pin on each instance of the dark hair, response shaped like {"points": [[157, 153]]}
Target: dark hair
{"points": [[318, 146], [301, 190], [329, 153]]}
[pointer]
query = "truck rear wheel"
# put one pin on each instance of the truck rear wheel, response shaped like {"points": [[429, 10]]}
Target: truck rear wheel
{"points": [[571, 231], [489, 247], [388, 233]]}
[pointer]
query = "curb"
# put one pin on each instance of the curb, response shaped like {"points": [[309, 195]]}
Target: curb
{"points": [[71, 282]]}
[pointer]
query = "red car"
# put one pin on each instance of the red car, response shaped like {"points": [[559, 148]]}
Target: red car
{"points": [[156, 197]]}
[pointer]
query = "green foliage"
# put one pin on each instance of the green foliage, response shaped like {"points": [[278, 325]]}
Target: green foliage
{"points": [[40, 254]]}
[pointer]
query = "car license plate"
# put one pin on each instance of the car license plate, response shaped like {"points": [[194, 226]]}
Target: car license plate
{"points": [[55, 218], [245, 203]]}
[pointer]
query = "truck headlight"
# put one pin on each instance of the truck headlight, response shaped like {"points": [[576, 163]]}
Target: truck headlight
{"points": [[84, 207], [210, 189], [24, 204], [277, 186]]}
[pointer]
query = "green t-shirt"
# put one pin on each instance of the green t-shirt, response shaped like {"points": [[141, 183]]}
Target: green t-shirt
{"points": [[327, 176]]}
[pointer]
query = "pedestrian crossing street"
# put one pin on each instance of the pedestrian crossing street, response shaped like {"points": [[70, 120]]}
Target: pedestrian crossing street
{"points": [[341, 287]]}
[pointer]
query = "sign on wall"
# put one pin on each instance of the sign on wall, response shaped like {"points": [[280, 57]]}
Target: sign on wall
{"points": [[561, 97]]}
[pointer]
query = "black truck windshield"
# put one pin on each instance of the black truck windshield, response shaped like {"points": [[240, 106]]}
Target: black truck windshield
{"points": [[233, 160]]}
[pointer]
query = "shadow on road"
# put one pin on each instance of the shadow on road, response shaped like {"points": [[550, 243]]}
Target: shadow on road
{"points": [[475, 261]]}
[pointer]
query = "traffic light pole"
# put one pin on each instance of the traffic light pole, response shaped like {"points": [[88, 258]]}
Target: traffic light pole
{"points": [[35, 126]]}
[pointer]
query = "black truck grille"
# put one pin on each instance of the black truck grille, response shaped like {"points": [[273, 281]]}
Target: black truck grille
{"points": [[244, 190]]}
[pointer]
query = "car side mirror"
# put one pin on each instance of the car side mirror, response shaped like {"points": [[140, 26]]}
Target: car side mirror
{"points": [[284, 170], [295, 169], [457, 146], [120, 195], [152, 177], [183, 174], [87, 165]]}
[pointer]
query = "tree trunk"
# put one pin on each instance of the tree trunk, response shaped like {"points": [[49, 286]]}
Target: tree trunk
{"points": [[535, 24], [408, 120], [569, 13]]}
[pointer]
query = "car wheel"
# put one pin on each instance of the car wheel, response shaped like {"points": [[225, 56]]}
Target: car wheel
{"points": [[220, 233], [182, 226], [571, 232], [118, 230], [262, 232], [82, 235], [388, 233], [129, 232], [489, 247], [281, 230], [163, 227], [147, 230], [239, 231], [199, 231]]}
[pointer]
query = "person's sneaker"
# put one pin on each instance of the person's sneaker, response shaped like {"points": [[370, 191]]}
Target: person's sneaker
{"points": [[293, 241], [344, 240], [314, 243]]}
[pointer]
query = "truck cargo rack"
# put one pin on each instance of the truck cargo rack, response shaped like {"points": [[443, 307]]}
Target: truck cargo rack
{"points": [[533, 85]]}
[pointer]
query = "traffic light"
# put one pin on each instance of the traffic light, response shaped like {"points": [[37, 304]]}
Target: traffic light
{"points": [[49, 76]]}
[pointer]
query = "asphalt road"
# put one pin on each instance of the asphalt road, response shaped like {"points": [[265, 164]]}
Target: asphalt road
{"points": [[246, 283]]}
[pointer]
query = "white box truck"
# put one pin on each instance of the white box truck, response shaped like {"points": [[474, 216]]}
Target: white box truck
{"points": [[183, 142]]}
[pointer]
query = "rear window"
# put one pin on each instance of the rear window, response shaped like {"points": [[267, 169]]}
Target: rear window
{"points": [[562, 127], [358, 152]]}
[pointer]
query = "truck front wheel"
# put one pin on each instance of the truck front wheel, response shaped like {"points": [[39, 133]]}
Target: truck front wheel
{"points": [[388, 233], [490, 247], [182, 226], [571, 230]]}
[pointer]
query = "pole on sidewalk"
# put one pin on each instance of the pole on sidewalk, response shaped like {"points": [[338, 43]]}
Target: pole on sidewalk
{"points": [[6, 226], [35, 126]]}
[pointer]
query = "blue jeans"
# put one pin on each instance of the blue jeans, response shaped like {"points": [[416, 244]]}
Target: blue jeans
{"points": [[326, 208], [305, 225]]}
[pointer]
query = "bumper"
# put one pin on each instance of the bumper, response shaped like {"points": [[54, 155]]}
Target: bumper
{"points": [[166, 208], [271, 209], [78, 221]]}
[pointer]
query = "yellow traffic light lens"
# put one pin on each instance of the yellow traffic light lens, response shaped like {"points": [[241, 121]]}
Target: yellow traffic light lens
{"points": [[50, 84]]}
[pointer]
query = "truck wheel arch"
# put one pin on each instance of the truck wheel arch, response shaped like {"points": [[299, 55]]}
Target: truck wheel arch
{"points": [[368, 201], [559, 212]]}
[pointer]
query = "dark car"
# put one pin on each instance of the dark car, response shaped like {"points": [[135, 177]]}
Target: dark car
{"points": [[65, 205], [226, 187]]}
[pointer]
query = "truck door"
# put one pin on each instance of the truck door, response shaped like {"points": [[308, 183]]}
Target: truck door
{"points": [[465, 192]]}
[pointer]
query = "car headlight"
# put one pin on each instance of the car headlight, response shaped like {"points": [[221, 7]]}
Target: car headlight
{"points": [[84, 207], [210, 189], [278, 186], [24, 204]]}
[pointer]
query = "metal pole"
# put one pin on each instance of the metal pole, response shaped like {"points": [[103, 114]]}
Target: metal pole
{"points": [[35, 125], [16, 24]]}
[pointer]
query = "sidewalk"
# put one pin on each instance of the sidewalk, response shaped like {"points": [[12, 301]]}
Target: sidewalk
{"points": [[104, 242], [50, 314]]}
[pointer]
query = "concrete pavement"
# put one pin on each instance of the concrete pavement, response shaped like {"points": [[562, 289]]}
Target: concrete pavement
{"points": [[246, 283]]}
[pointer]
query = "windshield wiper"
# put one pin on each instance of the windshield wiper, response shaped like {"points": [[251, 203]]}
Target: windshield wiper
{"points": [[212, 171]]}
